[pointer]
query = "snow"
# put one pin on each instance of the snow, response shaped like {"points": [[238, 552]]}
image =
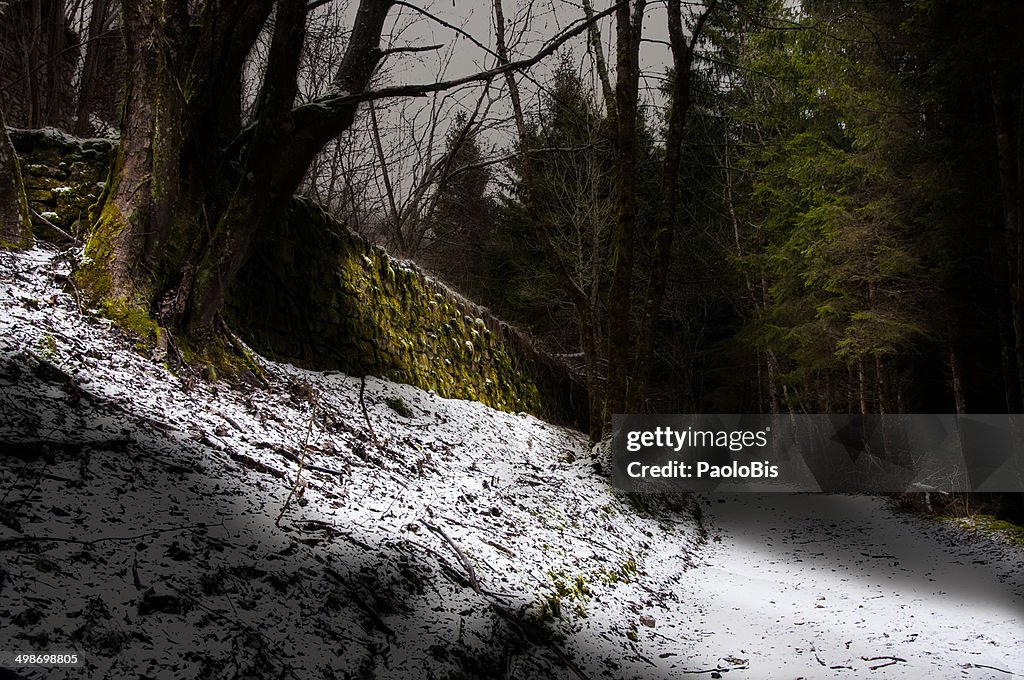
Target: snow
{"points": [[148, 526], [822, 582]]}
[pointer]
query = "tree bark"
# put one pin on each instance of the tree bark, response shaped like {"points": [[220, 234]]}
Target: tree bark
{"points": [[142, 186], [90, 68], [620, 304], [184, 203], [15, 225], [1009, 162], [594, 38], [501, 47], [282, 148]]}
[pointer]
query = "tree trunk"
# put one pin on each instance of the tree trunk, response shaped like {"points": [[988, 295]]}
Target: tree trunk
{"points": [[90, 69], [957, 371], [190, 192], [1008, 147], [594, 39], [668, 209], [510, 80], [620, 304], [134, 221], [283, 146], [33, 55], [15, 225]]}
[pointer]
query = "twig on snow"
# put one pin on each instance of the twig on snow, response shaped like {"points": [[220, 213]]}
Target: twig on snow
{"points": [[892, 660], [463, 558], [981, 665], [366, 414], [300, 484]]}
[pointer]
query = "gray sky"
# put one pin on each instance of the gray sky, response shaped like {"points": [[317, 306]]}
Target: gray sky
{"points": [[404, 123]]}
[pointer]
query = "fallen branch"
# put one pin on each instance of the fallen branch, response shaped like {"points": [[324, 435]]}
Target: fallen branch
{"points": [[981, 665], [366, 414], [254, 464], [230, 421], [463, 558], [300, 484], [295, 458], [892, 661], [57, 229]]}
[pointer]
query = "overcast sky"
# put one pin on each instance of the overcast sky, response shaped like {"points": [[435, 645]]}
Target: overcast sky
{"points": [[530, 26], [543, 19]]}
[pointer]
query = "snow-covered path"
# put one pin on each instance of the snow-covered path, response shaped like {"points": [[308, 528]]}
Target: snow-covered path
{"points": [[809, 585]]}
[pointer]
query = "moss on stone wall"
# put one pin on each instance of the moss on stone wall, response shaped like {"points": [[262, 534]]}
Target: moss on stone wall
{"points": [[322, 297], [63, 176]]}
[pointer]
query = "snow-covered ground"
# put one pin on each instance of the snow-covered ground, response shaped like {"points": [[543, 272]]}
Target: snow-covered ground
{"points": [[145, 522], [822, 586]]}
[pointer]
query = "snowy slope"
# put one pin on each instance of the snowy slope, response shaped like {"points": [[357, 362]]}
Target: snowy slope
{"points": [[143, 522], [155, 545]]}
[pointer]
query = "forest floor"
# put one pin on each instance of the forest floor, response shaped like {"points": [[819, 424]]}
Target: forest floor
{"points": [[320, 526]]}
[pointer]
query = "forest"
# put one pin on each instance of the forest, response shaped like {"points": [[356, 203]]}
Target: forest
{"points": [[251, 250]]}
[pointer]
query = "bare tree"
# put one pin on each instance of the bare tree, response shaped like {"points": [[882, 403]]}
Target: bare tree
{"points": [[192, 188]]}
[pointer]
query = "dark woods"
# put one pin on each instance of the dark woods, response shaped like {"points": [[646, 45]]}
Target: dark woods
{"points": [[808, 209]]}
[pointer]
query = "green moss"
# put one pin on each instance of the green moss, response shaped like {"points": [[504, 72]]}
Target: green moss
{"points": [[434, 345], [217, 357], [46, 347], [990, 525], [399, 406], [573, 590], [624, 573], [133, 318]]}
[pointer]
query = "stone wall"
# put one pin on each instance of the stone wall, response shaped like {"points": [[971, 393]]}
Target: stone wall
{"points": [[64, 176], [319, 296]]}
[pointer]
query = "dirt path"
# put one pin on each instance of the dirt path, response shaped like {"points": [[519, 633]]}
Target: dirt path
{"points": [[809, 585]]}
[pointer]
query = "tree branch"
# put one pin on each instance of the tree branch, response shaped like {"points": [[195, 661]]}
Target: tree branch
{"points": [[399, 50], [420, 89], [331, 105]]}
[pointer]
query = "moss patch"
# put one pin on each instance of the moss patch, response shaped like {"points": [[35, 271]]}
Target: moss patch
{"points": [[991, 526], [566, 591], [216, 356]]}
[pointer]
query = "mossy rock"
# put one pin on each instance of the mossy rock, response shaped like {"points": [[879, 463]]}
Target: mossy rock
{"points": [[64, 177]]}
